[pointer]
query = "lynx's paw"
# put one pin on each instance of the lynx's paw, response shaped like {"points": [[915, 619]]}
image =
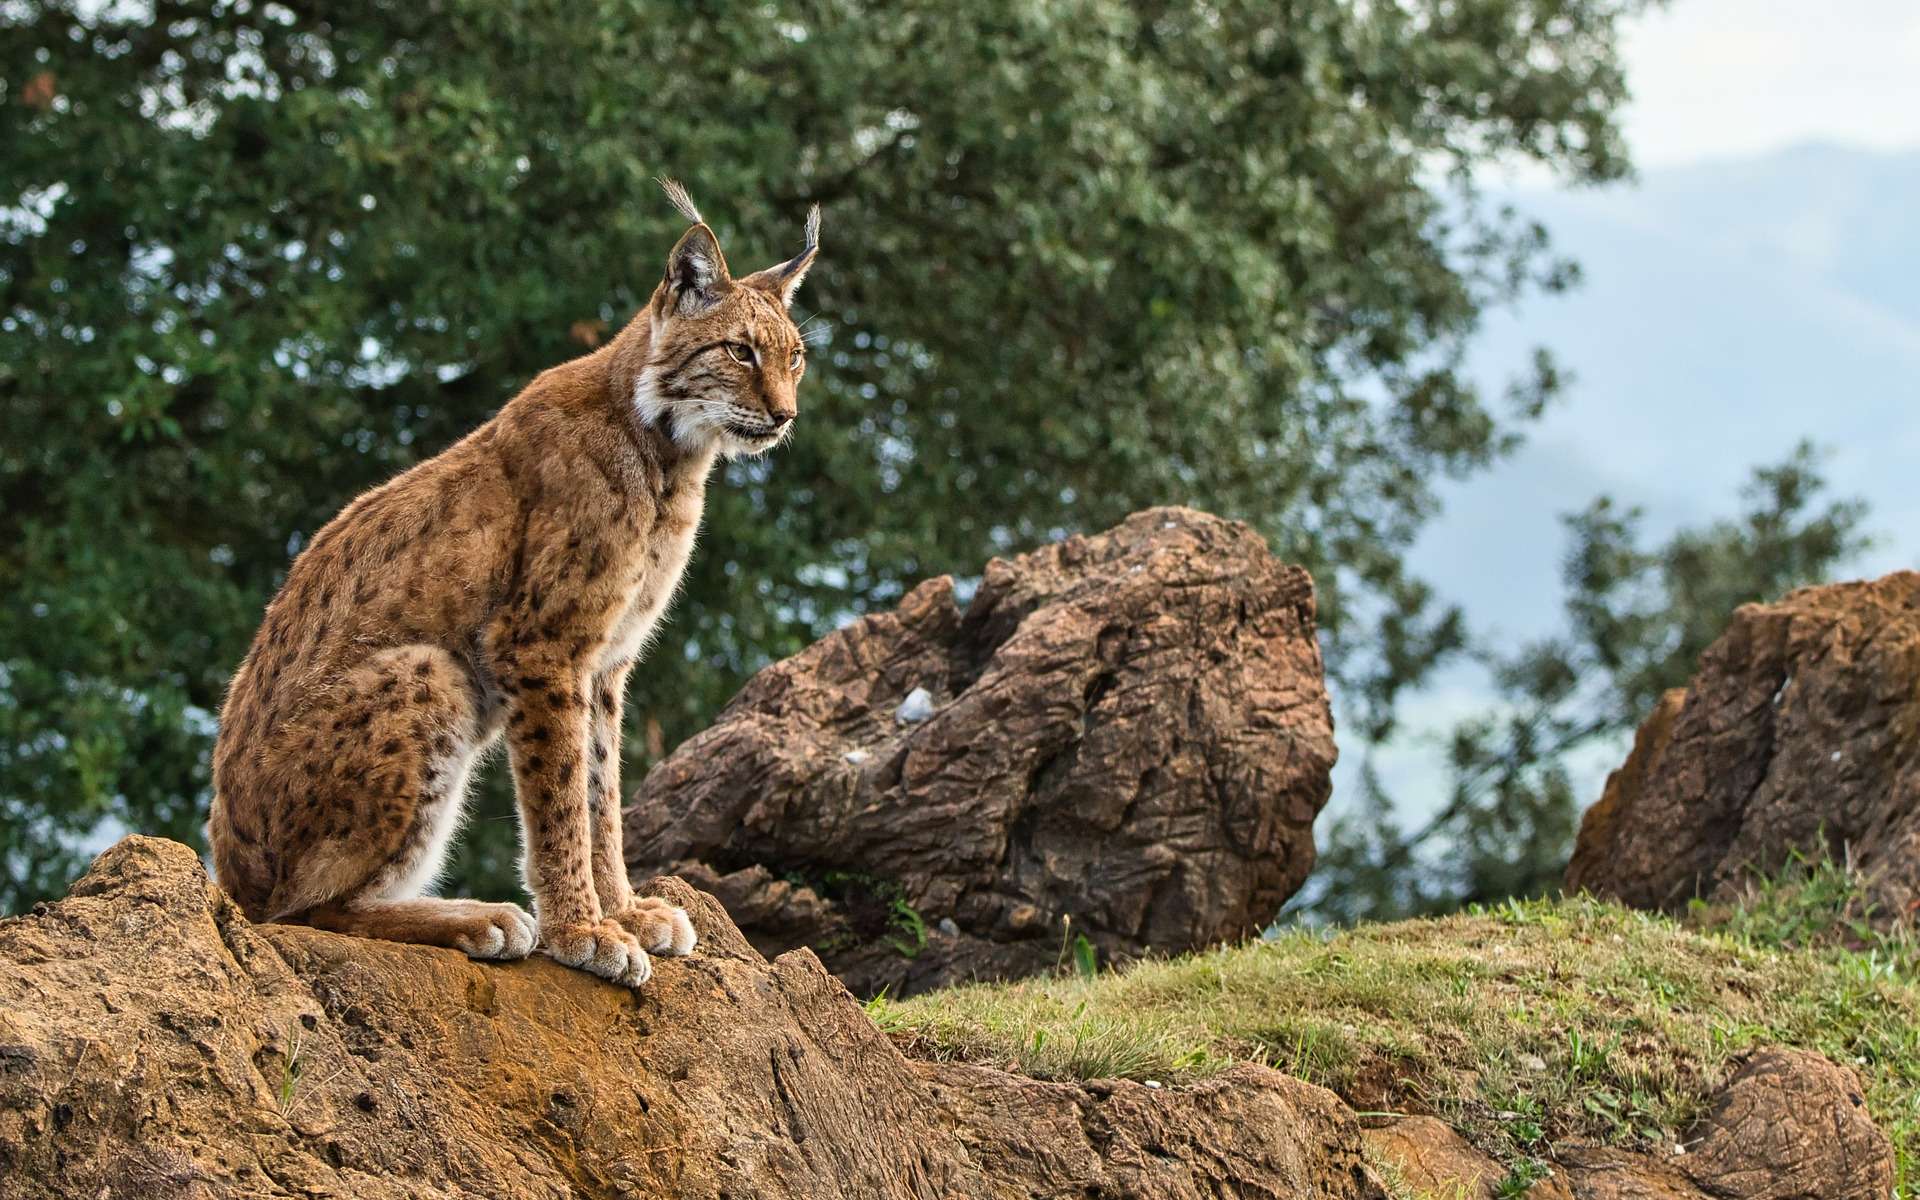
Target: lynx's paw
{"points": [[502, 931], [603, 948], [661, 928]]}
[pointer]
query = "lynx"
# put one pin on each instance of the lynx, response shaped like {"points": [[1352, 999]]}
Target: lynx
{"points": [[506, 586]]}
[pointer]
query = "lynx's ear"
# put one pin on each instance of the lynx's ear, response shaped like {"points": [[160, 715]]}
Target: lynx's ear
{"points": [[696, 270], [696, 273], [784, 280]]}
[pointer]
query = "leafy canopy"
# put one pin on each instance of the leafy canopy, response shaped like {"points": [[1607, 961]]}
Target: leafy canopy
{"points": [[1079, 257]]}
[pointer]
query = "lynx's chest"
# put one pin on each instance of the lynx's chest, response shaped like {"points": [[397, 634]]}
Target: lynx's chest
{"points": [[660, 562]]}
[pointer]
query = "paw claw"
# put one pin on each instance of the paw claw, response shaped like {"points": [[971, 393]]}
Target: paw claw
{"points": [[660, 927], [508, 934], [602, 948]]}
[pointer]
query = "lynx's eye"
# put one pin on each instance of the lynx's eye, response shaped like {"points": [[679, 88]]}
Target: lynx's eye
{"points": [[793, 364], [741, 353]]}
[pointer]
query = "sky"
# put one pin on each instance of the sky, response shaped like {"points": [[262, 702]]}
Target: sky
{"points": [[1779, 147], [1736, 78], [1755, 287]]}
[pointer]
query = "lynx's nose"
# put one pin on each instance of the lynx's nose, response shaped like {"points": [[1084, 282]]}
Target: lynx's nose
{"points": [[780, 420]]}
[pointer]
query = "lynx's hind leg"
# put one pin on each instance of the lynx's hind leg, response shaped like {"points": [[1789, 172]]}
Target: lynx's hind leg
{"points": [[377, 772], [476, 928]]}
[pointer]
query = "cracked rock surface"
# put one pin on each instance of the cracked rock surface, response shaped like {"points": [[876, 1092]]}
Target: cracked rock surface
{"points": [[1800, 731], [1130, 730], [156, 1046]]}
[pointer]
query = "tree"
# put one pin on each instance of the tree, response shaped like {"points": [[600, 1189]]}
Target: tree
{"points": [[1638, 618], [1079, 258]]}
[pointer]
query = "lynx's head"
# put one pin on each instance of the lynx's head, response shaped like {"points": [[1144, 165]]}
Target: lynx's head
{"points": [[726, 360]]}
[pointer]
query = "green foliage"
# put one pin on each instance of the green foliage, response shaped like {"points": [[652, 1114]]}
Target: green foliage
{"points": [[1521, 1023], [1086, 957], [1079, 258], [909, 935], [875, 908], [1638, 617], [1521, 1179]]}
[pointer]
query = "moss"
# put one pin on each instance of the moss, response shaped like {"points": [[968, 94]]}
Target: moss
{"points": [[875, 909], [1520, 1024]]}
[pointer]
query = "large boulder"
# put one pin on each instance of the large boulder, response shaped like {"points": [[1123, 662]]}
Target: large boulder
{"points": [[154, 1045], [1800, 732], [1125, 737]]}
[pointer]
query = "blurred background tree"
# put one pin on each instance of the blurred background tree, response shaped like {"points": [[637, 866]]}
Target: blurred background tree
{"points": [[1080, 257], [1637, 619]]}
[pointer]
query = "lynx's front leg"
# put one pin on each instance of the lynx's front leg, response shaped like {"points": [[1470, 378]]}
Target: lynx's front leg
{"points": [[547, 733], [660, 927]]}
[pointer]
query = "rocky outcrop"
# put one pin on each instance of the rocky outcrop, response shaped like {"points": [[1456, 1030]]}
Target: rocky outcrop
{"points": [[1130, 731], [1801, 731], [155, 1046], [1789, 1125]]}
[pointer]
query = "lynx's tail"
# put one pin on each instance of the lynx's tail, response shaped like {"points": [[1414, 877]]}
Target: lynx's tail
{"points": [[239, 861]]}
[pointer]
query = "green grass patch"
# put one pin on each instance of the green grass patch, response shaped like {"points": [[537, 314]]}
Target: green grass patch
{"points": [[1520, 1024]]}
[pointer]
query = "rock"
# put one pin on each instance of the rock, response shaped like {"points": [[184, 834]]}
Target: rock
{"points": [[1800, 731], [154, 1045], [917, 707], [1789, 1125], [1129, 730], [1432, 1160]]}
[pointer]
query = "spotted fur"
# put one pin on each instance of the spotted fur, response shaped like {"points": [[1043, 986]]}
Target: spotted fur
{"points": [[502, 590]]}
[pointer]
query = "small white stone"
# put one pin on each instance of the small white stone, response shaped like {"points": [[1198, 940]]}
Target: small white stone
{"points": [[1533, 1062], [856, 757], [1152, 1083], [917, 707], [948, 927], [1835, 757]]}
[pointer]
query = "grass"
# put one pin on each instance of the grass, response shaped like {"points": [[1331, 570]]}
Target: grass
{"points": [[292, 1093], [292, 1070], [1520, 1024]]}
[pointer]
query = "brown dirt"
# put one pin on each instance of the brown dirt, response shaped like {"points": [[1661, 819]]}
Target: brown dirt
{"points": [[155, 1045]]}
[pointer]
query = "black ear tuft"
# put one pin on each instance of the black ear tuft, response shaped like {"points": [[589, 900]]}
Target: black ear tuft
{"points": [[784, 280], [696, 272]]}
